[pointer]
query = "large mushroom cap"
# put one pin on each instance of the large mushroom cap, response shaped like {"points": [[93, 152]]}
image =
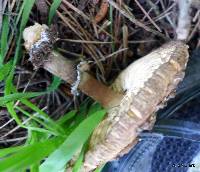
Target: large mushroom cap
{"points": [[147, 84]]}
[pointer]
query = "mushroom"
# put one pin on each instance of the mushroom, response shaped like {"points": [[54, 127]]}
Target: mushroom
{"points": [[131, 101], [42, 55]]}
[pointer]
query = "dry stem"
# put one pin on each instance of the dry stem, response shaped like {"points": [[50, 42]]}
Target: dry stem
{"points": [[184, 19]]}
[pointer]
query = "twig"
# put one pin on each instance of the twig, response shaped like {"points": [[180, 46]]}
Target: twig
{"points": [[194, 30], [196, 16], [91, 49], [125, 42], [85, 41], [184, 20], [116, 52], [167, 16], [134, 20], [13, 140], [18, 126], [76, 9], [153, 7], [147, 15]]}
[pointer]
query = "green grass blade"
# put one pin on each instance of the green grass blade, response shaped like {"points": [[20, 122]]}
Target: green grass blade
{"points": [[11, 150], [95, 107], [28, 5], [54, 85], [73, 142], [10, 107], [16, 96], [52, 12], [35, 118], [4, 39], [11, 110], [66, 117], [79, 161], [57, 128], [34, 137], [29, 155], [4, 70], [35, 167], [99, 169], [8, 98]]}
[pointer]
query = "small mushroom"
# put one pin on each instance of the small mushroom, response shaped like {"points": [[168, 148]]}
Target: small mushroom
{"points": [[42, 55], [132, 100], [32, 34]]}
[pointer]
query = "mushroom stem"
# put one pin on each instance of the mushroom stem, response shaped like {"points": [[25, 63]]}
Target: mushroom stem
{"points": [[66, 70], [61, 67], [39, 40]]}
